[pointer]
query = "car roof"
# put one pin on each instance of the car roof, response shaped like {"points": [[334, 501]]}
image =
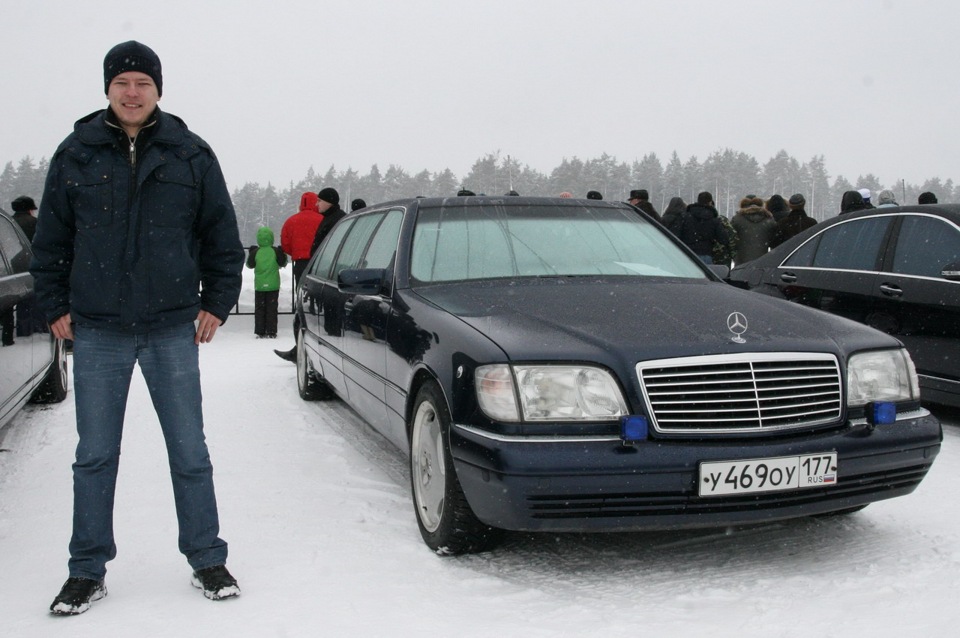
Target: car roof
{"points": [[497, 200]]}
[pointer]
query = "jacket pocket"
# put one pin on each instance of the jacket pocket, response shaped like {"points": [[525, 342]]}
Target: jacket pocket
{"points": [[91, 197], [173, 196]]}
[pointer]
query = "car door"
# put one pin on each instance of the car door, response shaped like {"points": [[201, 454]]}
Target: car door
{"points": [[836, 270], [913, 299], [317, 297], [365, 316], [25, 351]]}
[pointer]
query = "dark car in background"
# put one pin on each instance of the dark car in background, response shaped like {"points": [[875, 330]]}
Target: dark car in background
{"points": [[568, 365], [33, 365], [896, 269]]}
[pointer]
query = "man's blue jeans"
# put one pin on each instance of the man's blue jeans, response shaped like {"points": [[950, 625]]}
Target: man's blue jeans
{"points": [[103, 365]]}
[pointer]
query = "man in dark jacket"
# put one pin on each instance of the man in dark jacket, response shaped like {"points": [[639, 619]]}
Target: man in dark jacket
{"points": [[701, 227], [332, 213], [137, 258], [796, 222], [23, 210], [640, 198]]}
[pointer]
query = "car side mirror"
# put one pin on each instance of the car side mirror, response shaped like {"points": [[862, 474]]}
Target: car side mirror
{"points": [[362, 281], [951, 272], [721, 271]]}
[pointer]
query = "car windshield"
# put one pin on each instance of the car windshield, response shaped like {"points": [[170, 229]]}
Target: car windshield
{"points": [[462, 243]]}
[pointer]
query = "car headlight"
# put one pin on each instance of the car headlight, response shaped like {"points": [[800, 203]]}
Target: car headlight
{"points": [[884, 375], [548, 393]]}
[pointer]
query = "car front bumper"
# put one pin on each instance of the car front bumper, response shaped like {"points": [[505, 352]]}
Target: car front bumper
{"points": [[600, 484]]}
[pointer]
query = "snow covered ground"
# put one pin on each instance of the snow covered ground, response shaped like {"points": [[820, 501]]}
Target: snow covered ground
{"points": [[322, 538]]}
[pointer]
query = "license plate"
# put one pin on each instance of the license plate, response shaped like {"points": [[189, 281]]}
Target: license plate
{"points": [[767, 475]]}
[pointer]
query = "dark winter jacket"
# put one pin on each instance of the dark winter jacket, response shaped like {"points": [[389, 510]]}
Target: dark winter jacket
{"points": [[296, 235], [266, 260], [333, 215], [700, 228], [132, 247], [648, 208], [27, 223], [755, 231], [796, 222], [778, 207], [851, 202], [673, 215]]}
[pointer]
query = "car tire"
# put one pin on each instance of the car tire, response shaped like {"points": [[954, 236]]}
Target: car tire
{"points": [[53, 388], [310, 385], [448, 525]]}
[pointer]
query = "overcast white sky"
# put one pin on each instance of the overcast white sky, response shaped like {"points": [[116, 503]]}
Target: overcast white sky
{"points": [[279, 86]]}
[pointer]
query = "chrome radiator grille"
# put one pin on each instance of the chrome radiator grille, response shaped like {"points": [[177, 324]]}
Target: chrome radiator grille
{"points": [[752, 392]]}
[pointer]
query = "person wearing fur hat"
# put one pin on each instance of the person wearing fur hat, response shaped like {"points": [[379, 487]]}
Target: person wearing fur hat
{"points": [[139, 269], [886, 199], [796, 222], [23, 213], [755, 228], [640, 198]]}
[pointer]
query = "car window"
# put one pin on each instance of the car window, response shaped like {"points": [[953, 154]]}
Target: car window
{"points": [[853, 245], [925, 245], [803, 256], [456, 243], [14, 248], [321, 266], [384, 242], [356, 242]]}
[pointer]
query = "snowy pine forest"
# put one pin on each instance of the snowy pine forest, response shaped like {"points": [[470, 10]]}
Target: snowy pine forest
{"points": [[727, 174]]}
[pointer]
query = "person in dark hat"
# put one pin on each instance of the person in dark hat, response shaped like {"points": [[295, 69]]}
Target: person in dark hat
{"points": [[357, 204], [927, 198], [512, 193], [594, 195], [24, 213], [142, 277], [463, 192], [640, 198], [701, 228], [795, 222]]}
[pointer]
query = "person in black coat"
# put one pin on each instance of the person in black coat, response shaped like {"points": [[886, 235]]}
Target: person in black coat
{"points": [[701, 227], [137, 258], [23, 210]]}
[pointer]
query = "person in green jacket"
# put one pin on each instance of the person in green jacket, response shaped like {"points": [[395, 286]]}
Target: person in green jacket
{"points": [[266, 261]]}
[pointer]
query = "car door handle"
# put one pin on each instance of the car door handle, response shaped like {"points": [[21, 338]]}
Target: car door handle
{"points": [[788, 277], [891, 291]]}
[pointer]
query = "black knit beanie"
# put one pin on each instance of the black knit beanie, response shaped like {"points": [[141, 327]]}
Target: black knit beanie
{"points": [[329, 195], [132, 56]]}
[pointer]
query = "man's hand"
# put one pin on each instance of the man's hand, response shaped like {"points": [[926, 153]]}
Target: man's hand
{"points": [[207, 325], [62, 328]]}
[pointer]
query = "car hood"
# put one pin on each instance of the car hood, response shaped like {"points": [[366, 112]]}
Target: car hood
{"points": [[630, 320]]}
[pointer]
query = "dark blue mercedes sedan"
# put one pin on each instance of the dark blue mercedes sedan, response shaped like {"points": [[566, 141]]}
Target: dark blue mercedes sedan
{"points": [[567, 365]]}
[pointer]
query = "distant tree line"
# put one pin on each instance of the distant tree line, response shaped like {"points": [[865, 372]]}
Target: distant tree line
{"points": [[729, 175]]}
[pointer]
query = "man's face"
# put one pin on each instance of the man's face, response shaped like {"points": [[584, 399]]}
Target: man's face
{"points": [[634, 201], [323, 206], [133, 97]]}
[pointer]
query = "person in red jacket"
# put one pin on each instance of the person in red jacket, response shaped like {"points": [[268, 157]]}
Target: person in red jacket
{"points": [[296, 235]]}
